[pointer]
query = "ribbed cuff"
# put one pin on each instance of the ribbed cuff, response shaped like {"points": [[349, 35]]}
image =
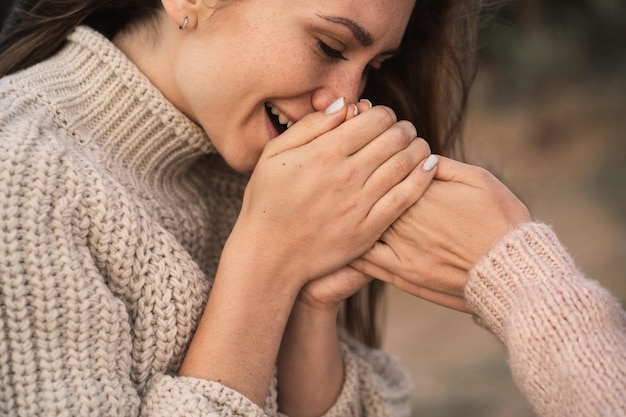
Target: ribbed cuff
{"points": [[525, 258]]}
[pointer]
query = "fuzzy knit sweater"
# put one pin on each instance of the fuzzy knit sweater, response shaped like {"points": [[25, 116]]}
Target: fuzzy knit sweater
{"points": [[113, 211], [114, 208]]}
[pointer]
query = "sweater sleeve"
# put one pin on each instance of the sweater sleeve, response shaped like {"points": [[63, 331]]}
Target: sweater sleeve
{"points": [[375, 383], [97, 302], [565, 335]]}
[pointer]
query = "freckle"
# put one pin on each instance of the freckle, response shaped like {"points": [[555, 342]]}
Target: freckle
{"points": [[283, 164]]}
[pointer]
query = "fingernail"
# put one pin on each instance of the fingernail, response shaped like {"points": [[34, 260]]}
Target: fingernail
{"points": [[336, 106], [430, 163], [356, 110], [369, 103]]}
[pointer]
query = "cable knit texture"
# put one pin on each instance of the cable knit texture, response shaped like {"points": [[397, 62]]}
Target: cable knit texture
{"points": [[565, 335], [113, 211]]}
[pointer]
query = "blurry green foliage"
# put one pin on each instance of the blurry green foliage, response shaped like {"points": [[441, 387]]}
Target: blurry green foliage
{"points": [[532, 42]]}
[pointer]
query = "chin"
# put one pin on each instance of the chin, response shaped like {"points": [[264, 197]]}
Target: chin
{"points": [[244, 164]]}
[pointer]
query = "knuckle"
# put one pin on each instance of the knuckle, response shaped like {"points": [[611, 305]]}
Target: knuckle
{"points": [[403, 163], [346, 176], [483, 176], [399, 136], [383, 115], [395, 201], [408, 127], [424, 147]]}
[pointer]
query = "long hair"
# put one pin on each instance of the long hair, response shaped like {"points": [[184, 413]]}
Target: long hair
{"points": [[36, 29], [427, 83]]}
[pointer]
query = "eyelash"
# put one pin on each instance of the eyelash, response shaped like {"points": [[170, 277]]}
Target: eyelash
{"points": [[330, 52], [334, 54]]}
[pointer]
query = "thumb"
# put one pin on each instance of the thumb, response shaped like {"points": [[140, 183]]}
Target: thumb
{"points": [[310, 127], [455, 171]]}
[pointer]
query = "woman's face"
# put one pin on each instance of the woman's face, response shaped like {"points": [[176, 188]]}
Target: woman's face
{"points": [[255, 66]]}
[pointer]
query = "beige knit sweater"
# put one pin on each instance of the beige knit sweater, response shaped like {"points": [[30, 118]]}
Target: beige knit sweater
{"points": [[565, 335], [113, 211]]}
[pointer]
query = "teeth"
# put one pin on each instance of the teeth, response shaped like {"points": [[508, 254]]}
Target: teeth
{"points": [[282, 119]]}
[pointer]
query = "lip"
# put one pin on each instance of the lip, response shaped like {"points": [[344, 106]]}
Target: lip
{"points": [[275, 132]]}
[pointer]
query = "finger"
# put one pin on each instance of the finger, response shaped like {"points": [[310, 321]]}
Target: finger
{"points": [[446, 300], [382, 262], [392, 158], [364, 105], [356, 133], [358, 108], [310, 127], [352, 112], [394, 140], [393, 203], [454, 302], [354, 279], [455, 171]]}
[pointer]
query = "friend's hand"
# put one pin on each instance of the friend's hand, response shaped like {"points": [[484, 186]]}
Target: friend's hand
{"points": [[429, 251], [324, 191]]}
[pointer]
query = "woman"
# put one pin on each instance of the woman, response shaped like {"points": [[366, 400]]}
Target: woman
{"points": [[119, 190], [121, 124]]}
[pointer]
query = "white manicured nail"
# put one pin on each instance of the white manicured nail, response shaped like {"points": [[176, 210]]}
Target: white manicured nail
{"points": [[369, 103], [355, 109], [336, 106], [430, 163]]}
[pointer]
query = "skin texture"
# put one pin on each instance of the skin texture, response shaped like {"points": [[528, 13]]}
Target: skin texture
{"points": [[429, 251], [232, 59], [319, 195]]}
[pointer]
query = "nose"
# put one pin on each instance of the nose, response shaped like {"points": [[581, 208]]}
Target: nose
{"points": [[348, 83]]}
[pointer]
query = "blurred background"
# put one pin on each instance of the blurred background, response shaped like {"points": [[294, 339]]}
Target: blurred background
{"points": [[548, 117]]}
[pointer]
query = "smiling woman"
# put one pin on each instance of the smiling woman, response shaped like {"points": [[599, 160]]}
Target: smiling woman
{"points": [[193, 195], [156, 152]]}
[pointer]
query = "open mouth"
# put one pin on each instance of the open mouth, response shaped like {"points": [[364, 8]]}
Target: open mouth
{"points": [[279, 120]]}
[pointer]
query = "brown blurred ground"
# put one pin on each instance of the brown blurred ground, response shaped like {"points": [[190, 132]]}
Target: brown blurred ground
{"points": [[563, 152]]}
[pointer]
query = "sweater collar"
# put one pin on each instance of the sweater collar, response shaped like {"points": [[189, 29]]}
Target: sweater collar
{"points": [[114, 106]]}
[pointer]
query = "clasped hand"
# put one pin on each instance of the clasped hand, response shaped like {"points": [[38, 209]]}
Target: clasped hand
{"points": [[430, 249], [325, 190]]}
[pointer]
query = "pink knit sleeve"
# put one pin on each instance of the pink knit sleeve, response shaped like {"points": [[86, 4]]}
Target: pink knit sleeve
{"points": [[565, 335]]}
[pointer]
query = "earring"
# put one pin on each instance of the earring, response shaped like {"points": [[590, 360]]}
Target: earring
{"points": [[184, 25]]}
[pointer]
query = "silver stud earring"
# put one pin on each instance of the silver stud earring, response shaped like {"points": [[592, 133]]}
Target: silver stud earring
{"points": [[184, 25]]}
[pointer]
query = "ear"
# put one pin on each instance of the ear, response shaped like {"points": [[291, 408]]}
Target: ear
{"points": [[194, 10]]}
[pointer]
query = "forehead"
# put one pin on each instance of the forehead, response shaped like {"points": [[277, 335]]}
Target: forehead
{"points": [[384, 19]]}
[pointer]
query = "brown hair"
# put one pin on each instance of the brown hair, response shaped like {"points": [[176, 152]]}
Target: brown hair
{"points": [[427, 83]]}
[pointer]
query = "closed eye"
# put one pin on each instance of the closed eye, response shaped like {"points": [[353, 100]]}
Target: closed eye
{"points": [[329, 51]]}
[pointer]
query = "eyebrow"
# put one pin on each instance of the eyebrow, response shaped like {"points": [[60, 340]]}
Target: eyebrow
{"points": [[363, 36]]}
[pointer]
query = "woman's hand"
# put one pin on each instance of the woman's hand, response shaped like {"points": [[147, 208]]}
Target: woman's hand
{"points": [[322, 193], [319, 197], [429, 251], [310, 369]]}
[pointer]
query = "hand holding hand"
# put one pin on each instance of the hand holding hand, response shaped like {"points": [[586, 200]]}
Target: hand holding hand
{"points": [[323, 192], [429, 251]]}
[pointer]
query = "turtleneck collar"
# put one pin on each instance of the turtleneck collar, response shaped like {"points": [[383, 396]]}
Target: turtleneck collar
{"points": [[112, 105]]}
